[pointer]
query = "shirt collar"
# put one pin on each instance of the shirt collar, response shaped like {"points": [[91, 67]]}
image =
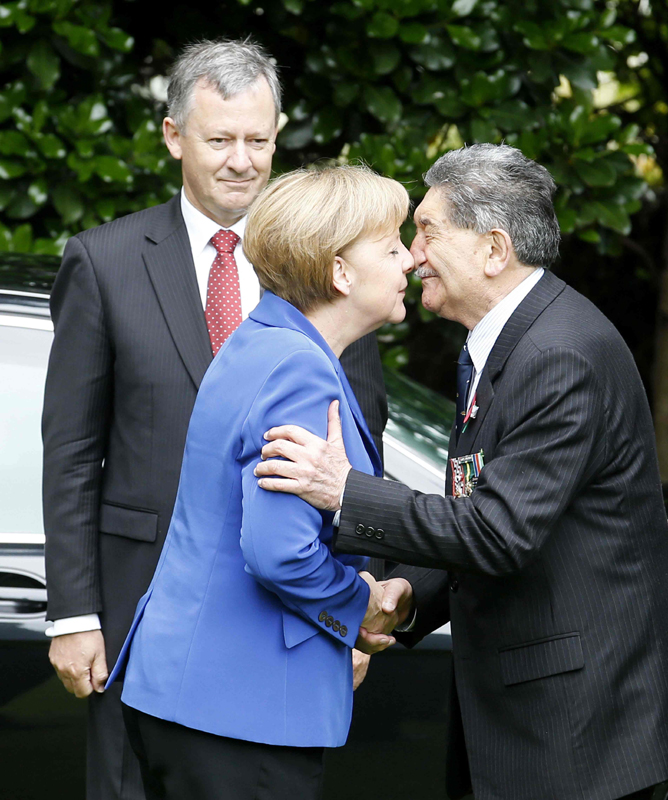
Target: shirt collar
{"points": [[201, 228], [482, 338]]}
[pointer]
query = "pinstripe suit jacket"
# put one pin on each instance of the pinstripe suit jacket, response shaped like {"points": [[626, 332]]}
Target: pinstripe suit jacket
{"points": [[553, 573], [131, 347]]}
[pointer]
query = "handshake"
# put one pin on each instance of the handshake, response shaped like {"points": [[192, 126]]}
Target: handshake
{"points": [[390, 604]]}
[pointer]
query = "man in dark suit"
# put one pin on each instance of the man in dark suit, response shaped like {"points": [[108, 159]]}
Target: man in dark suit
{"points": [[140, 305], [549, 554]]}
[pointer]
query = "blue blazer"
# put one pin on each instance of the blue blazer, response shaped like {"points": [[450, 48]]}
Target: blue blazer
{"points": [[247, 626]]}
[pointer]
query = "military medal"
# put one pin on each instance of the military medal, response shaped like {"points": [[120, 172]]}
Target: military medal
{"points": [[465, 473]]}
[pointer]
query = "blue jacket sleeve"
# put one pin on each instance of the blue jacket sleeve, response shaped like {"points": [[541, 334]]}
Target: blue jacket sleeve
{"points": [[280, 533]]}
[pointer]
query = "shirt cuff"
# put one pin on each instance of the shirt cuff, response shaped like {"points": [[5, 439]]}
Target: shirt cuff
{"points": [[337, 516], [407, 626], [81, 624]]}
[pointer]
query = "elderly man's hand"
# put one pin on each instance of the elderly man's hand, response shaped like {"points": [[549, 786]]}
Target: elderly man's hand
{"points": [[397, 603], [316, 470], [374, 633], [80, 662]]}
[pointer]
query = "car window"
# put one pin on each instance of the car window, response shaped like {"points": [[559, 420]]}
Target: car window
{"points": [[23, 357]]}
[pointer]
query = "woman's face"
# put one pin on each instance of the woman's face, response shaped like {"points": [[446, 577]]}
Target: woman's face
{"points": [[378, 267]]}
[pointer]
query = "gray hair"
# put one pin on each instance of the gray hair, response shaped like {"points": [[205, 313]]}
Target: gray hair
{"points": [[229, 66], [496, 186]]}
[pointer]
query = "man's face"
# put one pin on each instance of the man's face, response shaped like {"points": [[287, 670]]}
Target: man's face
{"points": [[449, 260], [225, 149]]}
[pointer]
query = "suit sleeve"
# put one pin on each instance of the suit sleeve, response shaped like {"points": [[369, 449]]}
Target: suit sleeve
{"points": [[551, 443], [280, 533], [74, 430]]}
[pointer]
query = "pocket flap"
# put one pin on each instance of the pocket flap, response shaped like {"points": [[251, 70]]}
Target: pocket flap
{"points": [[296, 629], [129, 522], [541, 658]]}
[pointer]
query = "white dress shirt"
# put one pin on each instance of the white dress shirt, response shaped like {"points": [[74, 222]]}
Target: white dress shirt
{"points": [[200, 229], [482, 338]]}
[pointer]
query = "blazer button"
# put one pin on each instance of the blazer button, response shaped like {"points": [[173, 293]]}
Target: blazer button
{"points": [[370, 532], [343, 631], [329, 621], [322, 616], [336, 627], [380, 533], [454, 585], [359, 529]]}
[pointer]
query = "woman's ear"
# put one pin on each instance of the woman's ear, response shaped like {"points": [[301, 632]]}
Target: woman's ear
{"points": [[341, 278], [499, 253]]}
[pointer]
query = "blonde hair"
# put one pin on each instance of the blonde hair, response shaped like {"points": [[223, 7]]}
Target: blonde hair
{"points": [[305, 218]]}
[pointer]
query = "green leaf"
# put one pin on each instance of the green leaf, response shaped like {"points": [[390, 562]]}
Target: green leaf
{"points": [[589, 235], [6, 194], [118, 39], [567, 219], [600, 129], [296, 135], [464, 37], [81, 39], [294, 6], [385, 57], [462, 8], [51, 146], [38, 191], [10, 169], [513, 115], [21, 207], [327, 125], [619, 35], [434, 55], [413, 33], [382, 26], [613, 217], [112, 170], [534, 35], [22, 239], [638, 149], [44, 64], [608, 18], [581, 42], [596, 173], [383, 103], [13, 143], [345, 93], [483, 130], [68, 203]]}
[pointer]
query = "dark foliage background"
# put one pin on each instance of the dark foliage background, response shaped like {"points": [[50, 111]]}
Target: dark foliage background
{"points": [[577, 84]]}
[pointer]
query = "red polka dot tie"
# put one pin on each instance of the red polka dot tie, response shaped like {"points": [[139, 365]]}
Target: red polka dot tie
{"points": [[223, 298]]}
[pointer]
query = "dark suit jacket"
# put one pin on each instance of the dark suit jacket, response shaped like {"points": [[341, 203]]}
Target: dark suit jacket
{"points": [[131, 347], [557, 565]]}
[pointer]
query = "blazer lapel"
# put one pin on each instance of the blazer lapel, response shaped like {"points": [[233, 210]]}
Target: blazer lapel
{"points": [[483, 399], [170, 266]]}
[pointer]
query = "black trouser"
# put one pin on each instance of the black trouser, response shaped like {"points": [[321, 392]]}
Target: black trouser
{"points": [[179, 763], [112, 769]]}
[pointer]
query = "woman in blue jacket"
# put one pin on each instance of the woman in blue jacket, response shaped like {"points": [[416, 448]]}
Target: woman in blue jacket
{"points": [[239, 658]]}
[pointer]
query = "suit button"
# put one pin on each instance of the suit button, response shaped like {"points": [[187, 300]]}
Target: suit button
{"points": [[370, 532], [359, 529], [343, 631], [454, 585], [336, 626], [329, 621], [380, 533], [322, 616]]}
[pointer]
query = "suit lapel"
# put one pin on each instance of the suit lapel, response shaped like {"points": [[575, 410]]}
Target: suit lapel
{"points": [[168, 259], [483, 399]]}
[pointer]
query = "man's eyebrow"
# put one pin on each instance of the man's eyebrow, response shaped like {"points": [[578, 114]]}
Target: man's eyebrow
{"points": [[425, 222]]}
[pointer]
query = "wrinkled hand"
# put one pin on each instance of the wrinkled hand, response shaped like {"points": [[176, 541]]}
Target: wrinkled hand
{"points": [[397, 603], [377, 624], [360, 667], [80, 662], [316, 470]]}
